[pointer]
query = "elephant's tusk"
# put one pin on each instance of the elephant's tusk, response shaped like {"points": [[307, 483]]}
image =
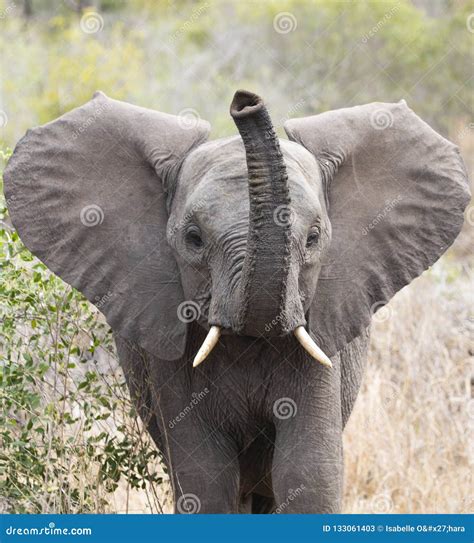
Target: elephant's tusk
{"points": [[207, 346], [310, 346]]}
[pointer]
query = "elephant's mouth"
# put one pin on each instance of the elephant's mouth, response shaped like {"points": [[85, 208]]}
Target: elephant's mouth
{"points": [[215, 332], [300, 333]]}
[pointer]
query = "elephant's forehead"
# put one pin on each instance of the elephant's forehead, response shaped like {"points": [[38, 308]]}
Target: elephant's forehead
{"points": [[223, 161], [213, 184], [213, 161]]}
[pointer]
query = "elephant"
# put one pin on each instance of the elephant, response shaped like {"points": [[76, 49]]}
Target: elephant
{"points": [[240, 275]]}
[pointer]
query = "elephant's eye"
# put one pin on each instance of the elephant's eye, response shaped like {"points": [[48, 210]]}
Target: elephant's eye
{"points": [[193, 237], [313, 237]]}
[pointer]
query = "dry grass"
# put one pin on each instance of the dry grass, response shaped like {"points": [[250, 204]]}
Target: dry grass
{"points": [[407, 443]]}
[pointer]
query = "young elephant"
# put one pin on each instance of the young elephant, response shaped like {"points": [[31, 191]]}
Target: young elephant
{"points": [[265, 257]]}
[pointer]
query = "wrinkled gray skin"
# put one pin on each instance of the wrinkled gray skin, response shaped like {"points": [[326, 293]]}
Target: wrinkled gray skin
{"points": [[136, 211], [230, 450]]}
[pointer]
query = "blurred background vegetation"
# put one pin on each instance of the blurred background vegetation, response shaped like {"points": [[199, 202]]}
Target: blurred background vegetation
{"points": [[69, 438]]}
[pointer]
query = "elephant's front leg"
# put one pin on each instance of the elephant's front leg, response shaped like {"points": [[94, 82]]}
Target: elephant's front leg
{"points": [[307, 467], [204, 470]]}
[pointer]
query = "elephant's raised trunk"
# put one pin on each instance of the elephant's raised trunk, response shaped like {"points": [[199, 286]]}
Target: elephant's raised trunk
{"points": [[266, 266], [266, 273]]}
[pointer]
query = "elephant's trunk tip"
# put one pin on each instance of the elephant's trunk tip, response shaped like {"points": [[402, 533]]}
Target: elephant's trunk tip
{"points": [[244, 104]]}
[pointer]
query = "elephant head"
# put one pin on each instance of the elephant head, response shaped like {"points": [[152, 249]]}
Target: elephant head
{"points": [[252, 235]]}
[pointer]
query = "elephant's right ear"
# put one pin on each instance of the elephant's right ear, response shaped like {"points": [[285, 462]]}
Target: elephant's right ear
{"points": [[86, 194], [396, 194]]}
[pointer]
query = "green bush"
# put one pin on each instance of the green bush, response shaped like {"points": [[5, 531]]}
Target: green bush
{"points": [[68, 433]]}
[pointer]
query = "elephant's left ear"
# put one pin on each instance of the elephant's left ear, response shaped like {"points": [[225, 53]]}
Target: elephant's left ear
{"points": [[396, 192], [87, 193]]}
